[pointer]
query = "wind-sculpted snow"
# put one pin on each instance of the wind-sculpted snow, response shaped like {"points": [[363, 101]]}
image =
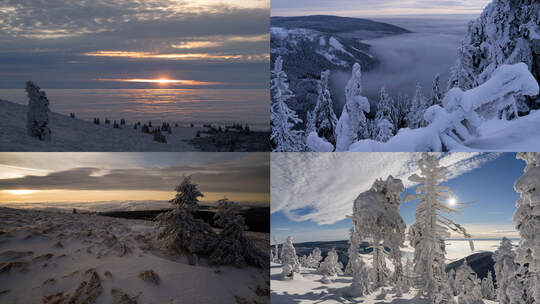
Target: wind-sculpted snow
{"points": [[460, 119], [49, 257]]}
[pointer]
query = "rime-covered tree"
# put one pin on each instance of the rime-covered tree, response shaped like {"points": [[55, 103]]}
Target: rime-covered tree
{"points": [[330, 267], [289, 260], [276, 251], [419, 105], [527, 219], [352, 124], [403, 104], [488, 289], [505, 269], [178, 229], [385, 118], [323, 118], [283, 120], [515, 292], [233, 246], [315, 258], [376, 216], [468, 285], [37, 117], [360, 283], [427, 235], [436, 94]]}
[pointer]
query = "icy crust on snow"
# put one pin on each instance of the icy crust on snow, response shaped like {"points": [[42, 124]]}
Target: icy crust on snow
{"points": [[84, 257], [72, 134], [461, 120]]}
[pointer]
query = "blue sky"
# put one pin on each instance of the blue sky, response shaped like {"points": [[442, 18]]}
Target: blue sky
{"points": [[483, 180]]}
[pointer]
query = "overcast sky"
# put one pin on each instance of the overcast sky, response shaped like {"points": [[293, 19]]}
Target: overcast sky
{"points": [[359, 8], [103, 43], [312, 194], [35, 177]]}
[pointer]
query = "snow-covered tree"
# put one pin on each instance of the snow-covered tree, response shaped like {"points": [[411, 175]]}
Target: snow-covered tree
{"points": [[385, 118], [360, 282], [419, 105], [427, 235], [352, 124], [323, 119], [468, 285], [303, 260], [179, 231], [403, 104], [330, 267], [436, 94], [515, 292], [488, 289], [315, 258], [505, 268], [276, 251], [289, 260], [37, 117], [527, 219], [233, 246], [283, 120], [376, 216]]}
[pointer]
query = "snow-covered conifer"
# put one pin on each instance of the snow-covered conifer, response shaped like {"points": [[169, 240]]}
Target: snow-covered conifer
{"points": [[505, 268], [37, 117], [324, 119], [330, 267], [233, 246], [436, 94], [427, 235], [276, 251], [488, 289], [376, 216], [179, 230], [315, 258], [527, 219], [289, 259], [385, 117], [283, 120], [352, 124], [515, 292], [419, 105], [468, 285]]}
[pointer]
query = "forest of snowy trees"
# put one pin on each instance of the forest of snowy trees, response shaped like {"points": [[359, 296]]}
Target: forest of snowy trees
{"points": [[376, 218], [495, 78]]}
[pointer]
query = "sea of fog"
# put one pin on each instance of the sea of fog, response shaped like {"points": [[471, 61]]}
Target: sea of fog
{"points": [[173, 105], [413, 58]]}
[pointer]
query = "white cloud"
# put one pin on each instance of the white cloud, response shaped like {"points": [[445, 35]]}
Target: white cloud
{"points": [[322, 186]]}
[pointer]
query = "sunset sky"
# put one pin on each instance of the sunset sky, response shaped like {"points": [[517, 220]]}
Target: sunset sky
{"points": [[376, 8], [92, 177], [131, 44]]}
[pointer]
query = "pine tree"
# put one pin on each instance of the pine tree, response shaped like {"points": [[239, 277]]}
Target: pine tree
{"points": [[276, 251], [527, 219], [352, 124], [179, 231], [315, 258], [376, 216], [282, 118], [37, 117], [330, 267], [427, 235], [323, 118], [233, 246], [436, 94], [289, 260], [468, 285], [415, 117], [385, 118], [488, 289], [505, 268]]}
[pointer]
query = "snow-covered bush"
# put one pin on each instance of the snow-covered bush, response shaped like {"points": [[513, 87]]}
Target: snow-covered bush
{"points": [[427, 235], [376, 216], [505, 268], [289, 260], [233, 246], [330, 267], [179, 231], [37, 117], [283, 120], [527, 218], [318, 144], [352, 123]]}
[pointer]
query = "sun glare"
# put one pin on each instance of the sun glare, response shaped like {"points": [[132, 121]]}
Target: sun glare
{"points": [[164, 81], [452, 201], [21, 192]]}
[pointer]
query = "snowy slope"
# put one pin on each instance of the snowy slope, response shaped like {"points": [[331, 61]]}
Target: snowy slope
{"points": [[70, 134], [64, 255]]}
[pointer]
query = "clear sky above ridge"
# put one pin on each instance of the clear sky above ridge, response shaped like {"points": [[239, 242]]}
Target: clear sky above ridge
{"points": [[483, 181], [373, 8]]}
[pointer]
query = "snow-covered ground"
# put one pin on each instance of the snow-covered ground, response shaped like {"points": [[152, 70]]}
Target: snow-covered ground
{"points": [[70, 134], [307, 288], [47, 256]]}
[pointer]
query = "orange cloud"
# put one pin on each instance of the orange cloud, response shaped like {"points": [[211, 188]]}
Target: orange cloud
{"points": [[163, 81], [176, 56]]}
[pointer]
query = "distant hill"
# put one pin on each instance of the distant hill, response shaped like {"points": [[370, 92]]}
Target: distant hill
{"points": [[311, 44]]}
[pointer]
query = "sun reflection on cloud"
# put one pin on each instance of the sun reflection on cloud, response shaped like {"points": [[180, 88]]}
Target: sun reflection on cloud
{"points": [[21, 191], [163, 81], [176, 56]]}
